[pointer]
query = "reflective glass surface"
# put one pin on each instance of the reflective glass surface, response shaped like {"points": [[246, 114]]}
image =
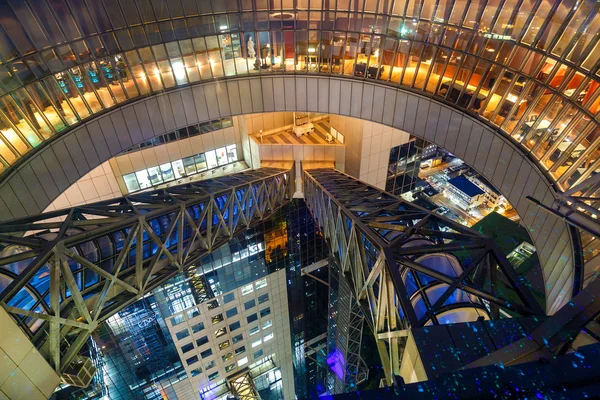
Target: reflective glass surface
{"points": [[529, 68]]}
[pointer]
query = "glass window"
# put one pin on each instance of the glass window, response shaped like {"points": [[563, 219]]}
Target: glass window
{"points": [[234, 326], [221, 156], [193, 313], [192, 360], [155, 176], [242, 361], [167, 172], [258, 354], [268, 337], [229, 297], [238, 338], [210, 365], [182, 334], [267, 324], [178, 169], [249, 304], [263, 297], [265, 312], [189, 166], [187, 347], [202, 341], [176, 320], [225, 344], [252, 318], [256, 343], [231, 312], [206, 353], [240, 350], [220, 332], [232, 153], [200, 160], [261, 284], [227, 357], [131, 183], [143, 179], [196, 371], [254, 330], [229, 367], [213, 376], [198, 327], [247, 289], [211, 159], [217, 318]]}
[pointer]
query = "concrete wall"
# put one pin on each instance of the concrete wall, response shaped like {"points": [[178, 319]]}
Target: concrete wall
{"points": [[32, 186]]}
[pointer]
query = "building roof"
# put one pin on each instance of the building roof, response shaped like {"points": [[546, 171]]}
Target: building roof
{"points": [[465, 186]]}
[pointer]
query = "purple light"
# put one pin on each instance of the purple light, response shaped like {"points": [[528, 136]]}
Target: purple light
{"points": [[336, 363]]}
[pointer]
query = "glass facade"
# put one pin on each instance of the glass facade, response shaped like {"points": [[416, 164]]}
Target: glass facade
{"points": [[528, 68]]}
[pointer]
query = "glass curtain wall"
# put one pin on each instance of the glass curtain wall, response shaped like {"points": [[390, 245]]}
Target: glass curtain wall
{"points": [[529, 68]]}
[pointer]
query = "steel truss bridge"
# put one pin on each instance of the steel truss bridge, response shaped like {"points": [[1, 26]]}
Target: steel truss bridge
{"points": [[64, 272], [368, 231]]}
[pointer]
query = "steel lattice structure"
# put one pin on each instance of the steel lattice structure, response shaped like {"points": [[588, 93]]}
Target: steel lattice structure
{"points": [[64, 272], [368, 230]]}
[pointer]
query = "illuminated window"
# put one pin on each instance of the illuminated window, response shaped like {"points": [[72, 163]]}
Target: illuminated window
{"points": [[261, 284], [210, 365], [242, 361], [229, 367], [247, 289], [220, 332], [254, 330], [267, 324], [240, 350], [212, 304], [227, 357], [213, 376], [224, 345], [256, 343], [221, 156], [193, 313], [196, 371], [232, 153], [258, 354], [216, 319], [268, 337]]}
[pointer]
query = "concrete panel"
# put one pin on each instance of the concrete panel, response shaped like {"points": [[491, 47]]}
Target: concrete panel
{"points": [[110, 135], [34, 186], [133, 125], [17, 184], [502, 164], [223, 99], [189, 106], [410, 117], [301, 98], [278, 90], [53, 165], [210, 93], [334, 96], [267, 92], [421, 117], [455, 123], [200, 102], [77, 155], [491, 164], [121, 129], [45, 178], [178, 110], [256, 93], [433, 116], [233, 91], [378, 104], [153, 109], [357, 95], [473, 143], [399, 110], [62, 154], [87, 145], [166, 112], [12, 203], [143, 118], [312, 94], [290, 94], [483, 153], [323, 86], [345, 97], [389, 108], [245, 96]]}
